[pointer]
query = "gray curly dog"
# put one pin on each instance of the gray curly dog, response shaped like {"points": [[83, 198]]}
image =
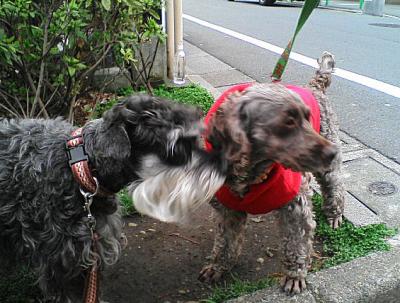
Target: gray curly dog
{"points": [[144, 141]]}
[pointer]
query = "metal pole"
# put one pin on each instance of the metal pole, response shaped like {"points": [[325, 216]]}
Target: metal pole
{"points": [[170, 39], [178, 23], [180, 60]]}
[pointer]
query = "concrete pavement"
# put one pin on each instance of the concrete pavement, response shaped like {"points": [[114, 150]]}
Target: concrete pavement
{"points": [[392, 10], [389, 9], [372, 183]]}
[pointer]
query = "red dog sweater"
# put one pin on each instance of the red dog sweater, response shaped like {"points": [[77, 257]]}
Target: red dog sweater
{"points": [[282, 184]]}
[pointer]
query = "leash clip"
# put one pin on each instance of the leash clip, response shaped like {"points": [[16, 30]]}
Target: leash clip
{"points": [[88, 203]]}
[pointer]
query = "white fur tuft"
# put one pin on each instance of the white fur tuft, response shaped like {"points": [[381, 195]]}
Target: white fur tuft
{"points": [[170, 194]]}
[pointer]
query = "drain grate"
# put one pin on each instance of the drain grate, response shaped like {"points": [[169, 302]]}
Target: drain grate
{"points": [[391, 25], [382, 188]]}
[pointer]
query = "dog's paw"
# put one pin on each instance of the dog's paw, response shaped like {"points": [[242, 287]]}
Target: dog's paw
{"points": [[335, 222], [210, 274], [293, 286]]}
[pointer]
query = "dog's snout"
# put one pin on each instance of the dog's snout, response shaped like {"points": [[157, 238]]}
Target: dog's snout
{"points": [[329, 153]]}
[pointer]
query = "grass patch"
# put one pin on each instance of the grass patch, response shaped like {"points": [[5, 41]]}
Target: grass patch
{"points": [[128, 207], [237, 288], [349, 242], [192, 94]]}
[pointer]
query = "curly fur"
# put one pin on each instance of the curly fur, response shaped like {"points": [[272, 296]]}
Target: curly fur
{"points": [[332, 186], [271, 125], [42, 221]]}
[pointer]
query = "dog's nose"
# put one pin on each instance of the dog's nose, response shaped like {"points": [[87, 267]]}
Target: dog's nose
{"points": [[330, 153]]}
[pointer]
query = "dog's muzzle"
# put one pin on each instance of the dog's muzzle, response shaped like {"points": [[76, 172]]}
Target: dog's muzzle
{"points": [[169, 193]]}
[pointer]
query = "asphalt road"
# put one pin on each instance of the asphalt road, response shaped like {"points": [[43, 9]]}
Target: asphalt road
{"points": [[364, 113]]}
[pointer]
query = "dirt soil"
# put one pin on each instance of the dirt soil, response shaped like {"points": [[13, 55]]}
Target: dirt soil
{"points": [[161, 261]]}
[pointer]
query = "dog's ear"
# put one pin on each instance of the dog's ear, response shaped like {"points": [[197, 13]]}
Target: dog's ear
{"points": [[112, 139], [229, 136]]}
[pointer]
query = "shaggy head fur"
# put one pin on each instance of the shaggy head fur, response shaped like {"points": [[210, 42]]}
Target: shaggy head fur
{"points": [[42, 221]]}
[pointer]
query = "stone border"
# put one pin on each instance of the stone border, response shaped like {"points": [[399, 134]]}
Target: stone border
{"points": [[370, 279]]}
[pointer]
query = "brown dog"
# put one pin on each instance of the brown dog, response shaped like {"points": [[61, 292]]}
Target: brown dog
{"points": [[270, 141]]}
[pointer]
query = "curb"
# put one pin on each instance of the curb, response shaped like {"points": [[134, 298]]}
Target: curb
{"points": [[371, 279], [203, 83]]}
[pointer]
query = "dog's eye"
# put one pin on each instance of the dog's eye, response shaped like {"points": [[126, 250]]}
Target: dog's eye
{"points": [[292, 118], [291, 122]]}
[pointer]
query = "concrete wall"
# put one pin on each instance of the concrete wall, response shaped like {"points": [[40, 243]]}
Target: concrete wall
{"points": [[115, 79]]}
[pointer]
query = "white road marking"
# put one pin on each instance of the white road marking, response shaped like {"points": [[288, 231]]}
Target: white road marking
{"points": [[354, 77]]}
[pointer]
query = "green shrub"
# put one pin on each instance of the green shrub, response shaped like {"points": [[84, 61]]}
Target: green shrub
{"points": [[192, 94], [49, 50]]}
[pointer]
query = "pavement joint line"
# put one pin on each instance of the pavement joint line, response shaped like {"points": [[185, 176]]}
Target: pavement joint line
{"points": [[376, 156], [377, 85], [361, 202]]}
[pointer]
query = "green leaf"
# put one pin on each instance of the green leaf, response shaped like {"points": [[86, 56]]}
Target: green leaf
{"points": [[80, 66], [54, 51], [71, 71], [106, 4]]}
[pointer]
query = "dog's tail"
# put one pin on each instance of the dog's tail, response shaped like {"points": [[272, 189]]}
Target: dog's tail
{"points": [[323, 75]]}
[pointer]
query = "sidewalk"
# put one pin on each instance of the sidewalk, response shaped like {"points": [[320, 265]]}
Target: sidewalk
{"points": [[389, 9], [392, 10], [372, 182]]}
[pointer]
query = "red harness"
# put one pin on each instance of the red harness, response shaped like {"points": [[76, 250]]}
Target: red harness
{"points": [[282, 184]]}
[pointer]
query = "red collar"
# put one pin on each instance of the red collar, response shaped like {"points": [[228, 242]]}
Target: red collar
{"points": [[79, 163]]}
